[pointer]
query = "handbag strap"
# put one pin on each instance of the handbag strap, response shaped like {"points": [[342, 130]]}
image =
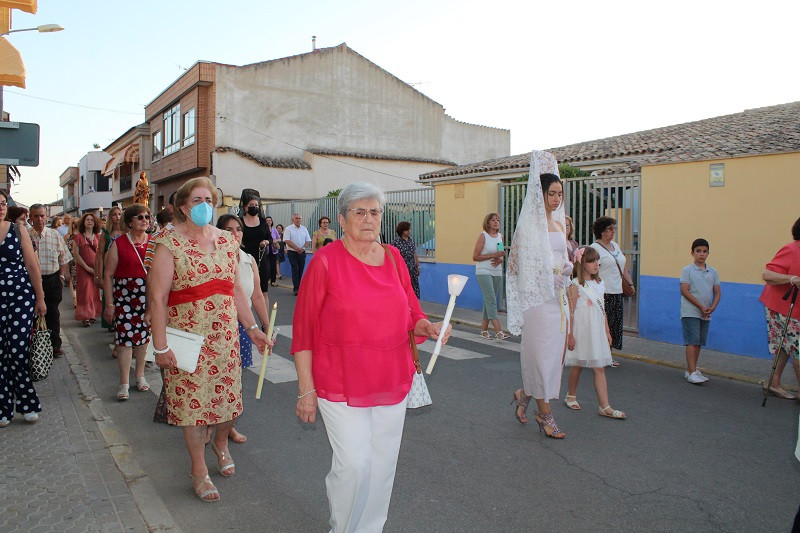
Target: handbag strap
{"points": [[615, 260], [412, 341]]}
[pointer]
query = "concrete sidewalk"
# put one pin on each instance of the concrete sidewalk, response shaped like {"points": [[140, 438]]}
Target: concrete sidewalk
{"points": [[71, 470], [726, 365]]}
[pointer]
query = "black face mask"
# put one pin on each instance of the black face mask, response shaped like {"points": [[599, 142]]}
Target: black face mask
{"points": [[252, 210]]}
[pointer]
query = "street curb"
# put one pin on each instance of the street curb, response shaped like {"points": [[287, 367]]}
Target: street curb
{"points": [[151, 507], [643, 358]]}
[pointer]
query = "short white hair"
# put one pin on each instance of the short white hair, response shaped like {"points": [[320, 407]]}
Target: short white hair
{"points": [[356, 192]]}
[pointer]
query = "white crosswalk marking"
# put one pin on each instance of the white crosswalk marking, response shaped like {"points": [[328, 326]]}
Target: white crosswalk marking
{"points": [[280, 368]]}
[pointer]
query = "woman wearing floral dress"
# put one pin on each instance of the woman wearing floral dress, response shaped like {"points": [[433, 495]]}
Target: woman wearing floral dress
{"points": [[20, 280], [408, 251], [195, 287]]}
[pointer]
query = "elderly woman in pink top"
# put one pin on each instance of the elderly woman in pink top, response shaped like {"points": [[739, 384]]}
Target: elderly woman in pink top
{"points": [[355, 310]]}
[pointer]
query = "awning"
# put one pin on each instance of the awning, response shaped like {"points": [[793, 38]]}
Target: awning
{"points": [[5, 19], [29, 6], [12, 70], [130, 154]]}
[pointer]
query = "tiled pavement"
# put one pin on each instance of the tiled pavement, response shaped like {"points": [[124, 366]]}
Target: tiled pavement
{"points": [[60, 473]]}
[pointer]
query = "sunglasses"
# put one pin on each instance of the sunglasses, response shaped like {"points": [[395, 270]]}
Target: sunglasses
{"points": [[142, 217]]}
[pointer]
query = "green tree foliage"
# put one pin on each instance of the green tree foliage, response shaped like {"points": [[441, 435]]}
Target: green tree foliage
{"points": [[334, 193]]}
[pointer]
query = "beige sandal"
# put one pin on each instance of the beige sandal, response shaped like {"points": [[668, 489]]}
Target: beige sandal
{"points": [[486, 335], [197, 485], [573, 403], [603, 411]]}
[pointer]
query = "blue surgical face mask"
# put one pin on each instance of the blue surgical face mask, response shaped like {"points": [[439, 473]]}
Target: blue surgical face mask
{"points": [[201, 214]]}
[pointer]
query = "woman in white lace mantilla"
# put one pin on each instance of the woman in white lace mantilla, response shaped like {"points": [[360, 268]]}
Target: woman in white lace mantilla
{"points": [[538, 268]]}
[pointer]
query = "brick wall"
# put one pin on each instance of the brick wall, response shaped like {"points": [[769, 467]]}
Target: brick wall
{"points": [[195, 89]]}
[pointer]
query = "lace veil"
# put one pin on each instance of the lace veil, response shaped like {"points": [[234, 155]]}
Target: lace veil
{"points": [[529, 278]]}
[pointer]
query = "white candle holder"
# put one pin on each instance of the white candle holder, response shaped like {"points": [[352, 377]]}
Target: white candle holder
{"points": [[455, 284]]}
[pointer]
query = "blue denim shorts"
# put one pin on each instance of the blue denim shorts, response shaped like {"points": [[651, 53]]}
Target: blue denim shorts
{"points": [[695, 331]]}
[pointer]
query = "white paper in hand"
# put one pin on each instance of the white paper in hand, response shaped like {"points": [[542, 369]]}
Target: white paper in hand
{"points": [[185, 345]]}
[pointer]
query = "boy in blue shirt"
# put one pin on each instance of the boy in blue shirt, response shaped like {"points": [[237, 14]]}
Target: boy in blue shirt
{"points": [[700, 294]]}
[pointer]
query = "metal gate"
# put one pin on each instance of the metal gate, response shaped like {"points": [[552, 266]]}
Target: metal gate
{"points": [[586, 199]]}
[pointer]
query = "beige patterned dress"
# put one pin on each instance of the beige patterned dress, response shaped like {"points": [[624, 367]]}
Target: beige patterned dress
{"points": [[212, 394]]}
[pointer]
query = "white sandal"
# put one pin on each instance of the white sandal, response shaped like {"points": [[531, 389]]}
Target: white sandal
{"points": [[142, 384], [122, 392], [502, 336], [573, 403], [603, 411], [486, 335]]}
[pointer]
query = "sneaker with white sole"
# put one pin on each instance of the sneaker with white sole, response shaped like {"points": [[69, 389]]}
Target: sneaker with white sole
{"points": [[702, 376], [695, 378], [30, 417]]}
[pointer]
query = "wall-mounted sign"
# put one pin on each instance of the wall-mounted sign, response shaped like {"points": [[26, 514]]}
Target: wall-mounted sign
{"points": [[19, 144], [716, 175]]}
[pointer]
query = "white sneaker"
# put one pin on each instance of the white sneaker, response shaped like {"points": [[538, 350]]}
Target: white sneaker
{"points": [[30, 417], [685, 374], [702, 376], [4, 422], [696, 378]]}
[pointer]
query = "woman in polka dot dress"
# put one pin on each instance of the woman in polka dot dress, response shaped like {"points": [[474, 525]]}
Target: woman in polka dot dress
{"points": [[124, 295], [20, 279]]}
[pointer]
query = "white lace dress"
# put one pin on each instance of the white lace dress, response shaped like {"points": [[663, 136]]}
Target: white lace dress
{"points": [[589, 328], [543, 341]]}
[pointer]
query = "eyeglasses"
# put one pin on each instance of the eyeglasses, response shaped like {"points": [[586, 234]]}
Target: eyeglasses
{"points": [[3, 204], [142, 217], [361, 214]]}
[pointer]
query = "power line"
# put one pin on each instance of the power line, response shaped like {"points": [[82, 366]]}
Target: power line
{"points": [[72, 105], [316, 155]]}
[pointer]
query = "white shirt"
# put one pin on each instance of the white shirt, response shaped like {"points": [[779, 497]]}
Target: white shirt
{"points": [[299, 236], [608, 267]]}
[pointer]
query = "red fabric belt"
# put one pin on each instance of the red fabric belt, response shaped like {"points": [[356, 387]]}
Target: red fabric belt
{"points": [[201, 292]]}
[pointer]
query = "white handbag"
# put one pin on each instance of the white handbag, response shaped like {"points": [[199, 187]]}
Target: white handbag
{"points": [[185, 345]]}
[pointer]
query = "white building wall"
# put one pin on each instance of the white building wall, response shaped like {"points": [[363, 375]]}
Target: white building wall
{"points": [[337, 100], [90, 163], [234, 173]]}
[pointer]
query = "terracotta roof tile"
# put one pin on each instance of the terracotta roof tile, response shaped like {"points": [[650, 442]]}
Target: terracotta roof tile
{"points": [[264, 161], [765, 130]]}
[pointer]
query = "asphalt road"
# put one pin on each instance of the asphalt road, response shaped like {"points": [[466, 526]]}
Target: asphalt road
{"points": [[688, 458]]}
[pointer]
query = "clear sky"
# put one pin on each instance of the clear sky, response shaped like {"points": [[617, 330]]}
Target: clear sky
{"points": [[553, 73]]}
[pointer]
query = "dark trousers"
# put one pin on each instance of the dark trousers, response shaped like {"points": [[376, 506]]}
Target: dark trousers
{"points": [[53, 292], [298, 262], [272, 263]]}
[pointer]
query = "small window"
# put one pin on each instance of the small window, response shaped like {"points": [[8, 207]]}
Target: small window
{"points": [[172, 130], [157, 144], [188, 127]]}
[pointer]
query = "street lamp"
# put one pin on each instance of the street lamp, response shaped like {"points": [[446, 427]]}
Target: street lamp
{"points": [[44, 28]]}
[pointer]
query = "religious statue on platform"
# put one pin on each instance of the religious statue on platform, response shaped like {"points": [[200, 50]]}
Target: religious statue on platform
{"points": [[142, 194]]}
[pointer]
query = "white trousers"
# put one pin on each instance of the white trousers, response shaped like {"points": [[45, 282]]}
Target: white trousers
{"points": [[365, 443]]}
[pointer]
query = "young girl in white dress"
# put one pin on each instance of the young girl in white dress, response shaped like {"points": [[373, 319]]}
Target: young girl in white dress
{"points": [[588, 339]]}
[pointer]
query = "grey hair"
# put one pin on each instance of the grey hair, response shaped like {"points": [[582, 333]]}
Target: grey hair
{"points": [[356, 192]]}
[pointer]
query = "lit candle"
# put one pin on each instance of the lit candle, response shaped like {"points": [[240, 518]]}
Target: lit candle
{"points": [[266, 352], [455, 284]]}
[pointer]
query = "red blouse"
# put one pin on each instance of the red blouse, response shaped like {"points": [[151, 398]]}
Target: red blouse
{"points": [[355, 319], [786, 261], [129, 255]]}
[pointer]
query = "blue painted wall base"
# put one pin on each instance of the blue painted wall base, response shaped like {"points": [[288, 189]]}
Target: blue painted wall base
{"points": [[737, 326]]}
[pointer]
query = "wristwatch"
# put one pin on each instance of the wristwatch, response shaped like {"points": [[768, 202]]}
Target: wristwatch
{"points": [[251, 328]]}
